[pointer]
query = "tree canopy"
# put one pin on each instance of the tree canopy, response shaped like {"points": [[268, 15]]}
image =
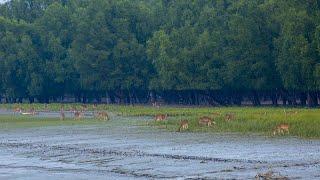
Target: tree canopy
{"points": [[182, 51]]}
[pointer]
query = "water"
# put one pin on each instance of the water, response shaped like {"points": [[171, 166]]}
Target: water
{"points": [[118, 150]]}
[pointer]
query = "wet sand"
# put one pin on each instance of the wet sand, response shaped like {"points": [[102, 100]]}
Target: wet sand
{"points": [[117, 150]]}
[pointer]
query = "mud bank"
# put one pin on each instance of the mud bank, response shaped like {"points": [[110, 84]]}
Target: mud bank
{"points": [[118, 149]]}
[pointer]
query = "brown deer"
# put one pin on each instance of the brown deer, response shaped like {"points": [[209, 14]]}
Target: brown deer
{"points": [[73, 109], [62, 115], [77, 115], [184, 125], [229, 117], [161, 117], [84, 107], [103, 116], [17, 110], [94, 107], [206, 121], [281, 129]]}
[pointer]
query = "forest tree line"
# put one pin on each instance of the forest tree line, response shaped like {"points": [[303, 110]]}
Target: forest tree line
{"points": [[214, 52]]}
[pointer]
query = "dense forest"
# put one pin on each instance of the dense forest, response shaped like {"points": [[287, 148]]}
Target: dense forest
{"points": [[209, 52]]}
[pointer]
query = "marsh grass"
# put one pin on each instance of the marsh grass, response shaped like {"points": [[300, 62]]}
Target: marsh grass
{"points": [[303, 122]]}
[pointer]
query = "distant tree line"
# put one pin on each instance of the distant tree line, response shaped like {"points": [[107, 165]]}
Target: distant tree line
{"points": [[213, 52]]}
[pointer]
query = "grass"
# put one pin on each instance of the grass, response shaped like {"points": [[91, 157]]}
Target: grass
{"points": [[303, 122]]}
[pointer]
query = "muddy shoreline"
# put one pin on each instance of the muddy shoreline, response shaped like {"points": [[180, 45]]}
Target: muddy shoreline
{"points": [[119, 150]]}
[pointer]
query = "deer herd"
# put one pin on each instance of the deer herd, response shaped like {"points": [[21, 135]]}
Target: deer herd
{"points": [[207, 121], [77, 114], [204, 121]]}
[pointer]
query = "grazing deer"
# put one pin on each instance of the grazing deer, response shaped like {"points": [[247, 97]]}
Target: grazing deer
{"points": [[281, 129], [229, 117], [161, 117], [184, 125], [206, 121], [77, 115], [103, 116]]}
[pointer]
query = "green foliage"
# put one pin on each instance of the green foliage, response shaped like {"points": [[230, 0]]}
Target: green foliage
{"points": [[52, 48]]}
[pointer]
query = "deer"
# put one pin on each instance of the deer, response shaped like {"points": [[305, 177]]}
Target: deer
{"points": [[206, 121], [77, 115], [95, 107], [161, 117], [103, 116], [281, 129], [62, 115], [229, 117], [73, 109], [84, 107], [184, 125], [17, 110]]}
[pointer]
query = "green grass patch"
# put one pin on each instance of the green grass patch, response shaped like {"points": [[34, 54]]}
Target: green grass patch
{"points": [[303, 122]]}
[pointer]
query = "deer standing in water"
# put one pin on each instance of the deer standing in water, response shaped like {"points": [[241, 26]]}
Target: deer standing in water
{"points": [[206, 121], [281, 129], [161, 117], [184, 125]]}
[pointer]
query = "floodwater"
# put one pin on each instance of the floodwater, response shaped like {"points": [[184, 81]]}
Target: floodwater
{"points": [[119, 150]]}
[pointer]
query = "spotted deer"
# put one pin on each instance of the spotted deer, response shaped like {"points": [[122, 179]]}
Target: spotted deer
{"points": [[77, 115], [184, 125], [161, 117], [206, 121], [103, 116], [281, 129]]}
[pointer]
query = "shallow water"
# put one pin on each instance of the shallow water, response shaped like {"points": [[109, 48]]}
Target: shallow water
{"points": [[117, 150]]}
